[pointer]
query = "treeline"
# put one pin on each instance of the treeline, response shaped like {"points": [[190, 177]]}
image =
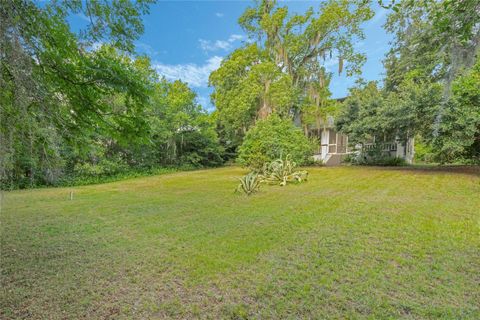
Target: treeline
{"points": [[431, 91], [277, 82], [71, 109], [82, 105]]}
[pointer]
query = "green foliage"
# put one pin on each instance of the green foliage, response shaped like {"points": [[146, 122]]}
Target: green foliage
{"points": [[57, 91], [376, 156], [81, 178], [250, 183], [249, 86], [460, 130], [282, 71], [281, 171], [272, 138], [299, 41], [372, 112], [433, 40], [424, 152], [182, 132], [70, 108], [436, 44], [359, 117]]}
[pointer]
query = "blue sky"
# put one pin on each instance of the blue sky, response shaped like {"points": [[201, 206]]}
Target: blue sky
{"points": [[188, 39]]}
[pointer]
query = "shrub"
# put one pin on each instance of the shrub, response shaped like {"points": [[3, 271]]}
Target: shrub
{"points": [[250, 183], [351, 158], [376, 157], [278, 171], [283, 171], [423, 152], [271, 139]]}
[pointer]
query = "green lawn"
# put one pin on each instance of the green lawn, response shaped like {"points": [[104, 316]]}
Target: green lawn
{"points": [[350, 243]]}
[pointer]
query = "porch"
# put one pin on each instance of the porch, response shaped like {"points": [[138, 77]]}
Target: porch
{"points": [[332, 147]]}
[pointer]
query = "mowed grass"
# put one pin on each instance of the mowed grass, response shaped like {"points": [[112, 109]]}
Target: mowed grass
{"points": [[350, 243]]}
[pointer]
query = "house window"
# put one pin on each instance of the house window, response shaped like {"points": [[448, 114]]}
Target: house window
{"points": [[332, 141], [341, 143]]}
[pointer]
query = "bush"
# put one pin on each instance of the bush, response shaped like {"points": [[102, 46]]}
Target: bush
{"points": [[279, 171], [379, 160], [351, 158], [271, 139], [199, 148], [104, 167], [250, 183], [375, 157], [423, 152], [283, 171]]}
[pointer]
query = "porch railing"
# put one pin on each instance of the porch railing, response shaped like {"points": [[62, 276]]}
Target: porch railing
{"points": [[388, 147]]}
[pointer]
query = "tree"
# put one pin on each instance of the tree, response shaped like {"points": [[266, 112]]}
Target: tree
{"points": [[434, 41], [248, 87], [281, 72], [435, 44], [300, 41], [372, 112], [460, 130], [55, 89], [181, 130]]}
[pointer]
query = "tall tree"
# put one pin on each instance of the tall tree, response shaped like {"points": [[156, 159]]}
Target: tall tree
{"points": [[281, 71], [54, 87], [433, 41]]}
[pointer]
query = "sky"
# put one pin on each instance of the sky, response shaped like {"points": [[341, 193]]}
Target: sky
{"points": [[187, 40]]}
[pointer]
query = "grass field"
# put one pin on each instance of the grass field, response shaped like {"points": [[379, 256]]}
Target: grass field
{"points": [[350, 243]]}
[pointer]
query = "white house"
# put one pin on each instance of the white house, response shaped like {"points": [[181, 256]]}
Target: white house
{"points": [[333, 146]]}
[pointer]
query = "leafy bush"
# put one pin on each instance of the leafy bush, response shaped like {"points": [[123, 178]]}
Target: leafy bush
{"points": [[80, 180], [272, 138], [380, 160], [375, 157], [105, 167], [351, 158], [250, 183], [283, 171], [278, 171], [198, 147], [423, 151]]}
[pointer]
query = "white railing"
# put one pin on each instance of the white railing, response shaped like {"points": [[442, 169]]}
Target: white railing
{"points": [[388, 147]]}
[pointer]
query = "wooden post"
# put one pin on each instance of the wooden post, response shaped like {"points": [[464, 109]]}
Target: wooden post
{"points": [[71, 195]]}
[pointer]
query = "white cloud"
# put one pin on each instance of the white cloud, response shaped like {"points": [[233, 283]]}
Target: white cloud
{"points": [[193, 74], [219, 14], [208, 45], [148, 49], [235, 37]]}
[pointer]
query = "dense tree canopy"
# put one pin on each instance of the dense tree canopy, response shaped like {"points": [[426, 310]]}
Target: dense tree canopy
{"points": [[281, 70], [82, 101], [431, 89]]}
